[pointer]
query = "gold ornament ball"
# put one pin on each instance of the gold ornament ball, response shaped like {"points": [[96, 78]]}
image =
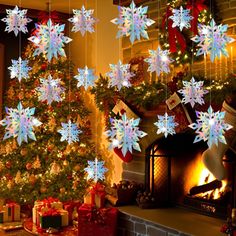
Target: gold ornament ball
{"points": [[62, 190], [43, 189], [32, 179], [23, 152], [77, 167]]}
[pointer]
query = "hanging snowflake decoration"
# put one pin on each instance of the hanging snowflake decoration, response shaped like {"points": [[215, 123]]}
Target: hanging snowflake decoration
{"points": [[166, 124], [50, 90], [85, 77], [19, 69], [20, 123], [181, 18], [16, 21], [193, 92], [212, 39], [83, 21], [96, 170], [125, 134], [69, 132], [159, 61], [132, 22], [210, 126], [49, 40], [120, 75]]}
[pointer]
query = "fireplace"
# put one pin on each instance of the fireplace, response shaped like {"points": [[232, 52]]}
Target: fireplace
{"points": [[176, 175]]}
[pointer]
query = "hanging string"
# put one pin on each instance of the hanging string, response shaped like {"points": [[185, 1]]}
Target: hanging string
{"points": [[20, 49], [213, 44], [69, 97]]}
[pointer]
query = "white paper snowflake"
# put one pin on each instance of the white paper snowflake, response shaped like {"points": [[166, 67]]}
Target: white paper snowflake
{"points": [[133, 22], [83, 20], [120, 75], [16, 21], [69, 132], [19, 69], [193, 92], [166, 124], [85, 78], [210, 127], [212, 39], [50, 90], [125, 134], [50, 40], [181, 18], [20, 123], [159, 61], [96, 170]]}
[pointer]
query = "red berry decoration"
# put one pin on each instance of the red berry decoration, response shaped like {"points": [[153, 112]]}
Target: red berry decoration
{"points": [[44, 66], [28, 166]]}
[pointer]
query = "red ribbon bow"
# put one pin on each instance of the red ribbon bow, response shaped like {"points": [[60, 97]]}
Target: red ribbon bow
{"points": [[51, 212]]}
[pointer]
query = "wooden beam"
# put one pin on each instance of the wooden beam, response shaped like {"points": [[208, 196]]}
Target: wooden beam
{"points": [[127, 2]]}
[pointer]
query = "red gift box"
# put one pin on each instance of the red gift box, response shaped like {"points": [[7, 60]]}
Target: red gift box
{"points": [[97, 222], [70, 206]]}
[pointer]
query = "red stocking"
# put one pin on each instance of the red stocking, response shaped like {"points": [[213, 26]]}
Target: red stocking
{"points": [[127, 158]]}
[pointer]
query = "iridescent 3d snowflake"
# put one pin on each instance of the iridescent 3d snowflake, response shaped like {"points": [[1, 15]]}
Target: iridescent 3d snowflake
{"points": [[125, 134], [181, 18], [83, 21], [96, 170], [132, 22], [166, 124], [50, 90], [193, 92], [20, 123], [120, 75], [210, 127], [19, 69], [159, 61], [69, 132], [212, 39], [85, 77], [16, 21], [49, 40]]}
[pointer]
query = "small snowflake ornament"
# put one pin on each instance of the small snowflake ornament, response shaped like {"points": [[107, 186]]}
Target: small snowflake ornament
{"points": [[159, 61], [83, 21], [85, 77], [19, 69], [16, 21], [96, 170], [20, 123], [166, 124], [50, 40], [212, 39], [181, 18], [133, 22], [210, 127], [69, 132], [50, 90], [193, 92], [120, 75]]}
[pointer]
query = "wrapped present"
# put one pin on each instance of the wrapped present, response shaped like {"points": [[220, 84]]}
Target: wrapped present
{"points": [[70, 206], [12, 212], [64, 217], [89, 197], [50, 218], [3, 216]]}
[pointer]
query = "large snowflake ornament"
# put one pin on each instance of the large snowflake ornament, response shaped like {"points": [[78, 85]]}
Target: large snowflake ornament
{"points": [[96, 170], [50, 90], [19, 69], [193, 92], [166, 124], [16, 21], [159, 61], [133, 22], [50, 40], [181, 18], [69, 132], [210, 127], [212, 39], [125, 134], [20, 123], [85, 77], [83, 20], [120, 75]]}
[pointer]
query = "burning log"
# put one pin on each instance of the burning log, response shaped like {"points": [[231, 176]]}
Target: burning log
{"points": [[205, 187]]}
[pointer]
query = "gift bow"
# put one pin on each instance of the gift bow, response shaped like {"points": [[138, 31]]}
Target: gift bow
{"points": [[98, 189], [51, 212]]}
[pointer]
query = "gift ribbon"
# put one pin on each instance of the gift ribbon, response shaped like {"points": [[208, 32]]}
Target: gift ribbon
{"points": [[51, 212], [11, 210]]}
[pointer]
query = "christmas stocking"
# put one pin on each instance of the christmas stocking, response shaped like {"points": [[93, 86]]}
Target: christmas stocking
{"points": [[127, 158], [212, 157]]}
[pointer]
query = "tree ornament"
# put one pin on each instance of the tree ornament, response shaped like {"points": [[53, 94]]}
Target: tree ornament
{"points": [[83, 21], [8, 164], [28, 166], [20, 123], [37, 163], [193, 92], [32, 179], [77, 168], [62, 190], [133, 22], [19, 69], [18, 178], [55, 169], [43, 189], [49, 40], [10, 184], [23, 151], [16, 21]]}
